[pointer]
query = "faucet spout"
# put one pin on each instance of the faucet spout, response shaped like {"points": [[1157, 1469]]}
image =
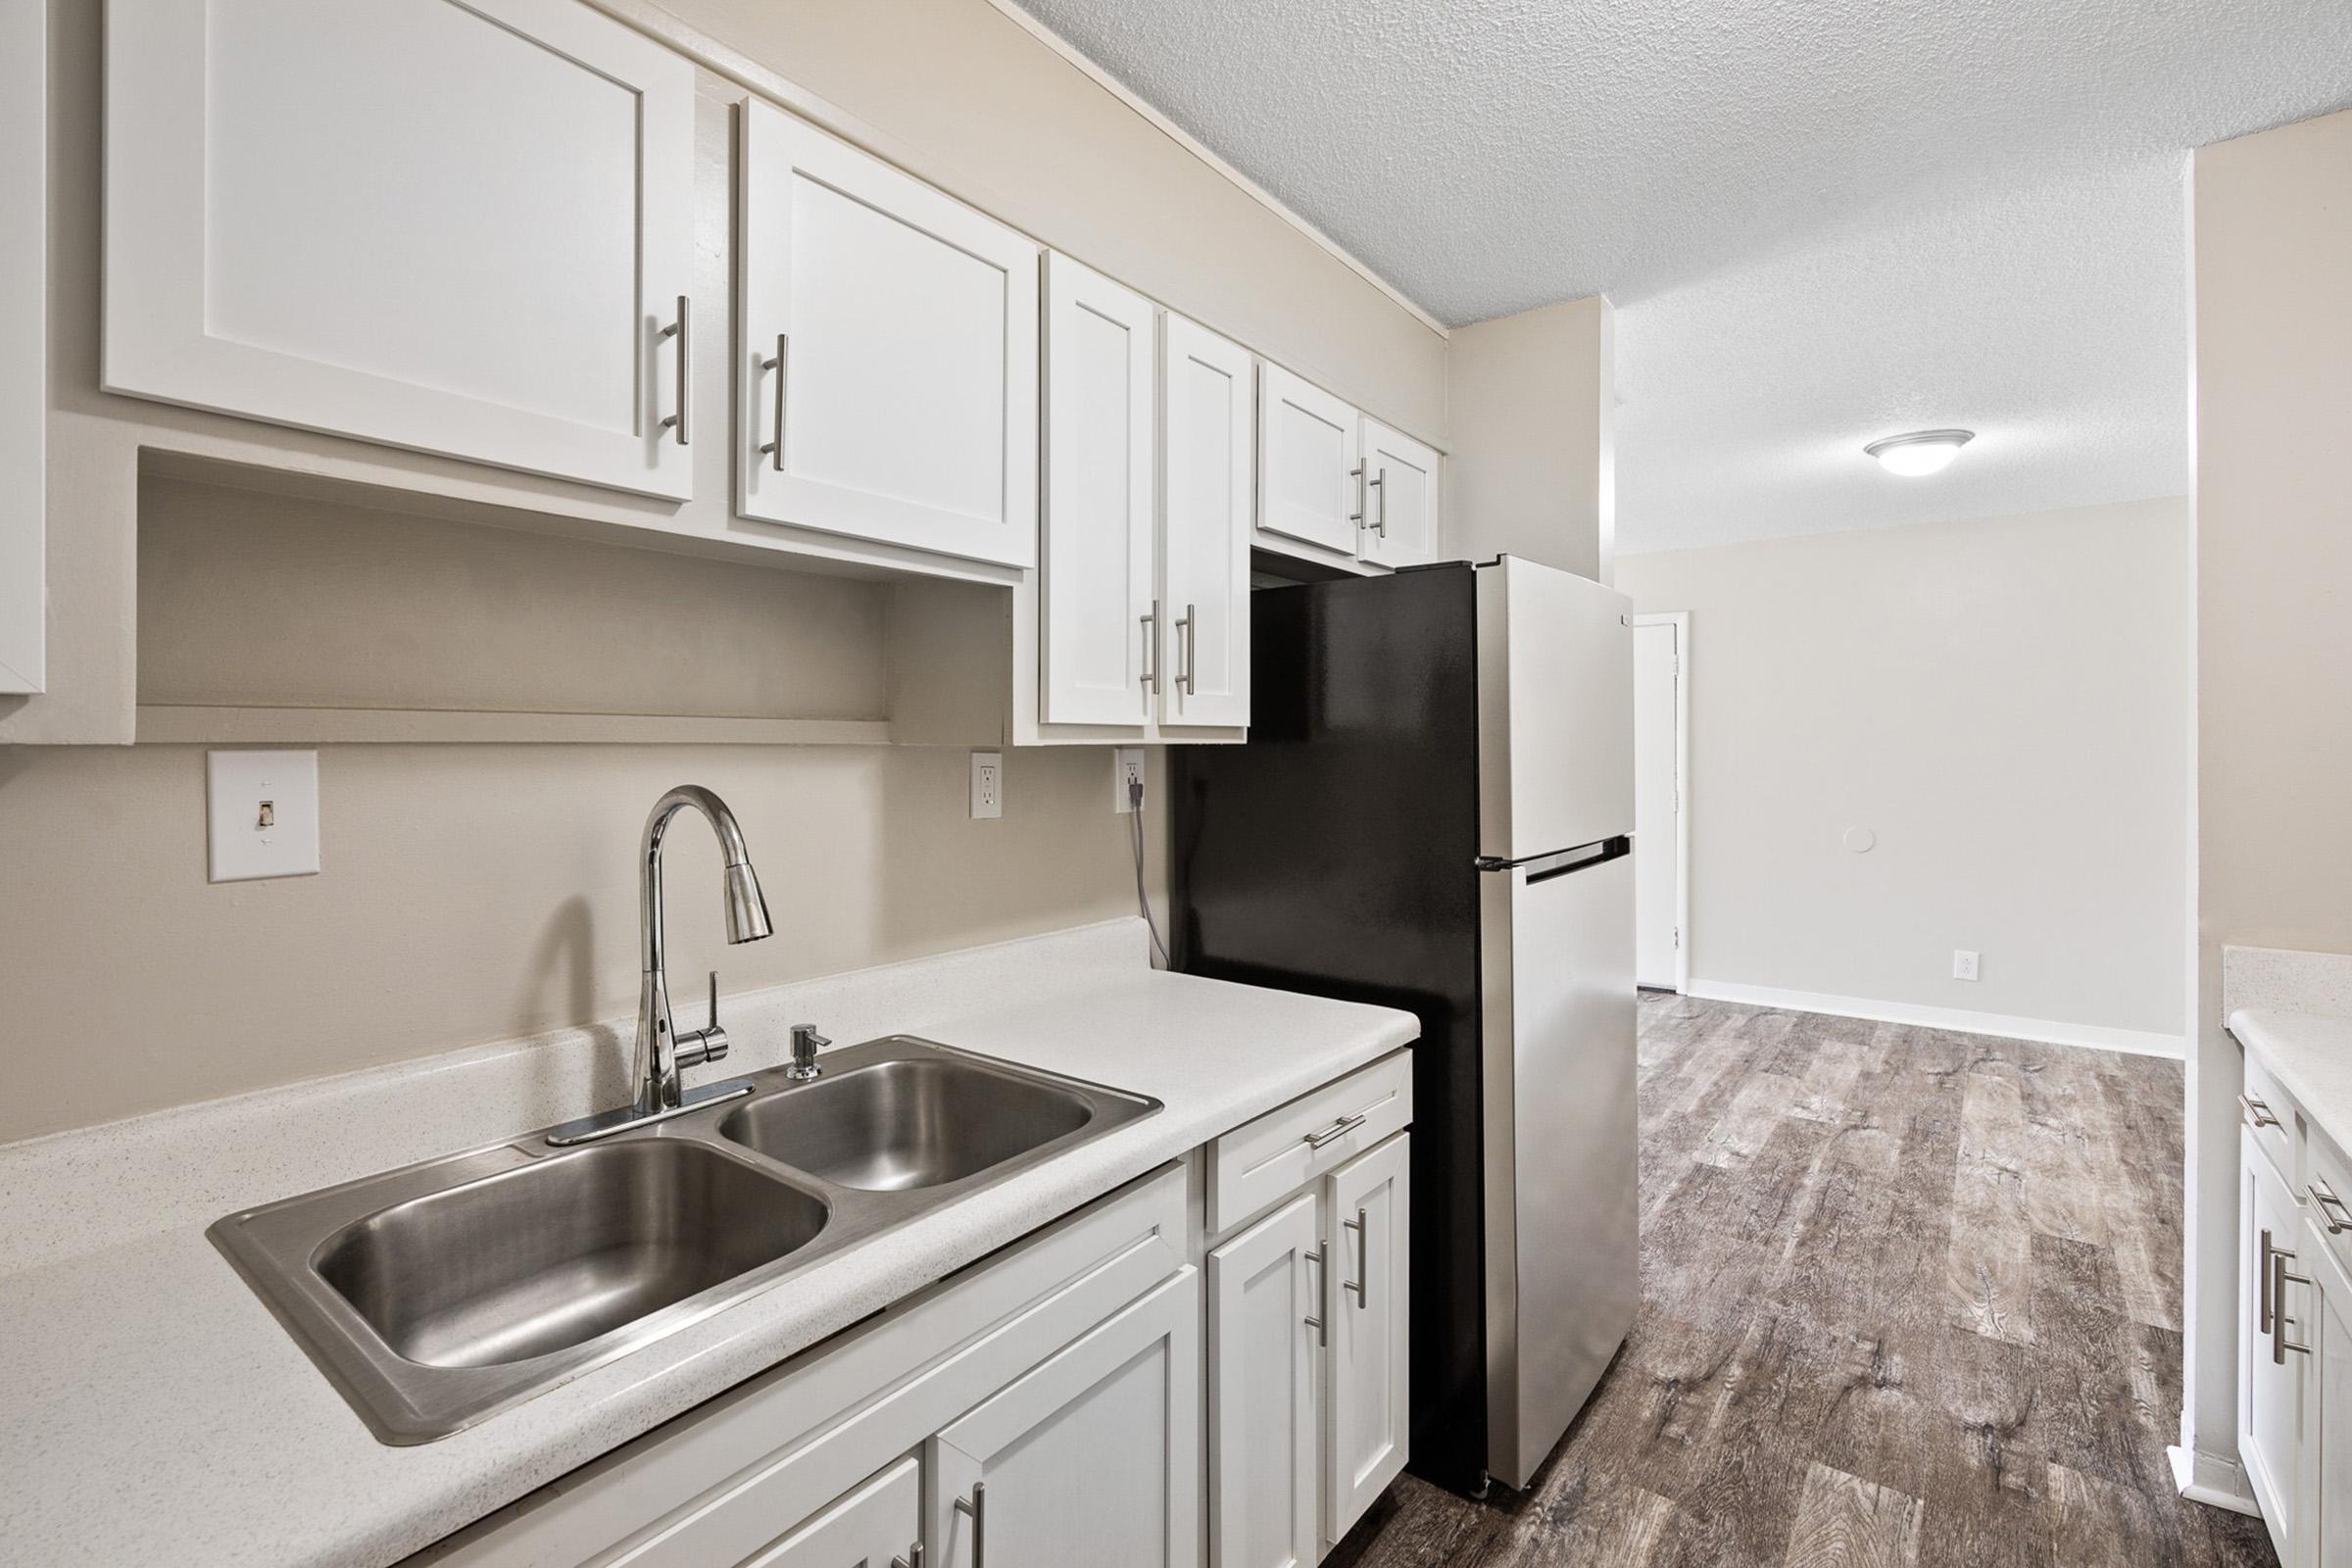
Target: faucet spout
{"points": [[662, 1053]]}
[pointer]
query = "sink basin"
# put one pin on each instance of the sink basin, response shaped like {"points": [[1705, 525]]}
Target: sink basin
{"points": [[896, 1125], [440, 1292], [552, 1255]]}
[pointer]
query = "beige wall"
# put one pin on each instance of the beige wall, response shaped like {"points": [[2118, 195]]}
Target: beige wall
{"points": [[2003, 703], [1532, 471], [2272, 265]]}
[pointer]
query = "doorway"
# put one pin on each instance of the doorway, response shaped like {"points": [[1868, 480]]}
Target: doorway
{"points": [[1661, 801]]}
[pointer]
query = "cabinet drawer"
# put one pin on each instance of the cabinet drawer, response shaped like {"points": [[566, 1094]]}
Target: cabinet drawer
{"points": [[2328, 1185], [1260, 1163], [2267, 1111]]}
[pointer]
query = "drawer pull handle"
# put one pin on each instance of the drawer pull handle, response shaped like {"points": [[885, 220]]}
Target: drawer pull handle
{"points": [[2280, 1277], [1321, 1258], [2335, 1212], [2258, 1113], [1361, 1284], [1336, 1130], [977, 1509]]}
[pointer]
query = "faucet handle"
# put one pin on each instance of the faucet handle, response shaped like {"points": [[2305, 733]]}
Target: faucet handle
{"points": [[708, 1045], [805, 1043]]}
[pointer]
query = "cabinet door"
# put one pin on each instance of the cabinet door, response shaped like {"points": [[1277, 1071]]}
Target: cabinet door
{"points": [[1100, 649], [1310, 476], [889, 353], [877, 1524], [1207, 461], [465, 228], [2269, 1394], [1265, 1444], [1093, 1461], [1400, 506], [2328, 1418], [1366, 1224]]}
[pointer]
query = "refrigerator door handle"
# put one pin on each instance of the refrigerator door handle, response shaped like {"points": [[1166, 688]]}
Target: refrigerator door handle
{"points": [[1559, 862]]}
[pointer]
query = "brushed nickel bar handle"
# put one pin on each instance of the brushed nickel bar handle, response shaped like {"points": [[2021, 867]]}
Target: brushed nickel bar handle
{"points": [[1381, 483], [977, 1509], [2280, 1277], [913, 1559], [782, 366], [1361, 1284], [1152, 648], [1188, 631], [1337, 1129], [2258, 1113], [2262, 1286], [1321, 1258], [1357, 475], [2335, 1212], [682, 330]]}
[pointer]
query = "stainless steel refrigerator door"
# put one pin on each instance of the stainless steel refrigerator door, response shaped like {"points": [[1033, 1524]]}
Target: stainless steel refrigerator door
{"points": [[1557, 963], [1555, 711]]}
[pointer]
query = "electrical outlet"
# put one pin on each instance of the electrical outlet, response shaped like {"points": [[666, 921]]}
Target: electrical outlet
{"points": [[987, 785], [1126, 774], [1964, 964], [262, 809]]}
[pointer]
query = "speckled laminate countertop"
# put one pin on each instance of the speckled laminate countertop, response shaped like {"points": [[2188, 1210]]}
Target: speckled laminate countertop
{"points": [[156, 1411]]}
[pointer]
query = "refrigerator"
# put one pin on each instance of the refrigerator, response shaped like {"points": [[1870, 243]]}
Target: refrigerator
{"points": [[1434, 812]]}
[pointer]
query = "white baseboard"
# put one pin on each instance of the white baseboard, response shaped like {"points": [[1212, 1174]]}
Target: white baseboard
{"points": [[2212, 1479], [2048, 1031]]}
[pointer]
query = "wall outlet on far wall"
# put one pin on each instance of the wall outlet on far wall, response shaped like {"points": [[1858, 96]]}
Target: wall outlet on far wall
{"points": [[1964, 964], [1126, 775], [987, 785]]}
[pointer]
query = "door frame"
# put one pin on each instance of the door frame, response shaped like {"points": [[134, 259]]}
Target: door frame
{"points": [[1679, 620]]}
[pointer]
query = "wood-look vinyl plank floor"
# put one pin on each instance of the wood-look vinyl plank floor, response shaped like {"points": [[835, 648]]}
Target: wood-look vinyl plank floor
{"points": [[1910, 1300]]}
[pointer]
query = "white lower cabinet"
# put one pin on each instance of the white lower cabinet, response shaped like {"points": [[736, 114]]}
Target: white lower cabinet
{"points": [[2327, 1427], [1309, 1332], [2271, 1376], [881, 1522], [1366, 1226], [1266, 1442], [1092, 1460]]}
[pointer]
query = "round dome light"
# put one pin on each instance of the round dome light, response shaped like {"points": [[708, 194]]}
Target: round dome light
{"points": [[1921, 453]]}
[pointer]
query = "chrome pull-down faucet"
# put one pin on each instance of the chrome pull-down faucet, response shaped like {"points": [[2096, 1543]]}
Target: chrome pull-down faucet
{"points": [[662, 1053]]}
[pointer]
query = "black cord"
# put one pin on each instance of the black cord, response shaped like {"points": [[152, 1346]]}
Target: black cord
{"points": [[1142, 900]]}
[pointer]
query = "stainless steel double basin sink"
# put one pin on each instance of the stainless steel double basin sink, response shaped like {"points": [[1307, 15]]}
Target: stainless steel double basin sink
{"points": [[438, 1293]]}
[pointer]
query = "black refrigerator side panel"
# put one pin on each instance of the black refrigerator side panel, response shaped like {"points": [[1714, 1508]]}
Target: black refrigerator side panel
{"points": [[1333, 854]]}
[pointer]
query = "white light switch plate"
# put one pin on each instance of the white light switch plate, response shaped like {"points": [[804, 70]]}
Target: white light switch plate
{"points": [[262, 810]]}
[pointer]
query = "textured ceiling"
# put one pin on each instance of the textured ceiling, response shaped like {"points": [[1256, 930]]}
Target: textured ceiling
{"points": [[1821, 220]]}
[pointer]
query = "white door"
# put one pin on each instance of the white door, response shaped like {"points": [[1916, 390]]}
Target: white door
{"points": [[1100, 648], [1310, 467], [887, 362], [465, 228], [2270, 1378], [1092, 1460], [1367, 1226], [1658, 951], [1265, 1332], [1207, 464], [1401, 510], [2328, 1425], [878, 1525]]}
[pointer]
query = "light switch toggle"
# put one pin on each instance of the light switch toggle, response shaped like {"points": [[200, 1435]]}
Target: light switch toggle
{"points": [[268, 816]]}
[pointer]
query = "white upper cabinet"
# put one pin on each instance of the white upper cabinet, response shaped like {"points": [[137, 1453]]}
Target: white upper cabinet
{"points": [[1101, 647], [1310, 471], [1208, 462], [460, 229], [888, 360], [1400, 509]]}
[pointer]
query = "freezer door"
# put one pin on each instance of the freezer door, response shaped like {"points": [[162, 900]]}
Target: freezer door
{"points": [[1555, 711], [1560, 1134]]}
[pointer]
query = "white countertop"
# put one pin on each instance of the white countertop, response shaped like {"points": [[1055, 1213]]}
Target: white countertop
{"points": [[156, 1412], [2311, 1056]]}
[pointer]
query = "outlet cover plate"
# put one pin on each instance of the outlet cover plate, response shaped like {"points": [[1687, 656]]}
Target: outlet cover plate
{"points": [[262, 809], [1126, 762], [988, 786], [1964, 964]]}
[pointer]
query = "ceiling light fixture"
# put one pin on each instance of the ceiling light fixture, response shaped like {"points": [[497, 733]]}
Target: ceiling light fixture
{"points": [[1921, 453]]}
